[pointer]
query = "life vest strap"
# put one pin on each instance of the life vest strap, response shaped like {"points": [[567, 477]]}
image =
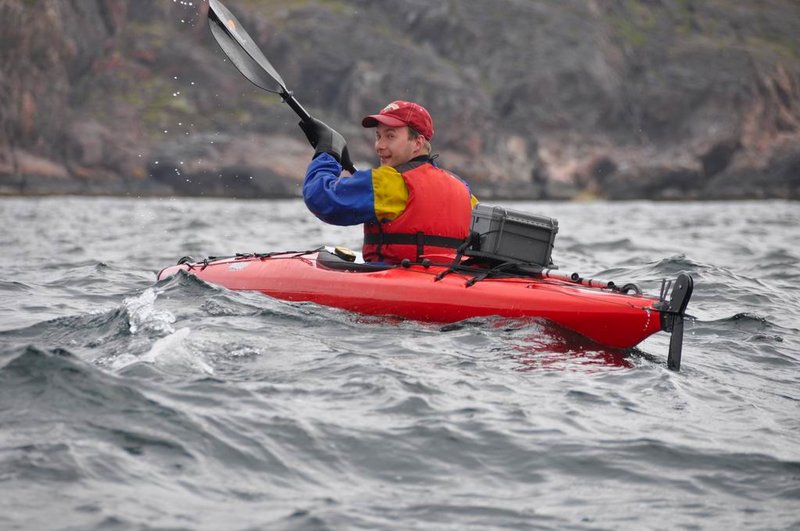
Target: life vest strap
{"points": [[418, 239]]}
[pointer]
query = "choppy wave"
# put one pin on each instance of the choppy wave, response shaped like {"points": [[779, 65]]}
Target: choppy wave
{"points": [[127, 403]]}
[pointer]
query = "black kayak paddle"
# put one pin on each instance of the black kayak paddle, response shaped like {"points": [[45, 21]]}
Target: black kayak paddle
{"points": [[247, 57], [243, 52]]}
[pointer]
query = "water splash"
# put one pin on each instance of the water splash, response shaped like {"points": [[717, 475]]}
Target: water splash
{"points": [[144, 317], [172, 352]]}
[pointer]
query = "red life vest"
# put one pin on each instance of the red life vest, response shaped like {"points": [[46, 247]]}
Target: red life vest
{"points": [[436, 219]]}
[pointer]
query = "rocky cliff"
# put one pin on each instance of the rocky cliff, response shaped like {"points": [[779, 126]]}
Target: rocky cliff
{"points": [[531, 99]]}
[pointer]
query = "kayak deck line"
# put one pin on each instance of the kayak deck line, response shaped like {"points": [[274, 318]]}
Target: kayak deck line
{"points": [[594, 309]]}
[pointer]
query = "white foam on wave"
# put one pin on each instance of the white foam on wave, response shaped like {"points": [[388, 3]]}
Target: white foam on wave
{"points": [[171, 351], [143, 315]]}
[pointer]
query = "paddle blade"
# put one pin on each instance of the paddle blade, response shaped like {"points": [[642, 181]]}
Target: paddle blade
{"points": [[241, 49]]}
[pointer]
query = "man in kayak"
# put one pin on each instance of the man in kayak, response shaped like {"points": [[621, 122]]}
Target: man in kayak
{"points": [[410, 207]]}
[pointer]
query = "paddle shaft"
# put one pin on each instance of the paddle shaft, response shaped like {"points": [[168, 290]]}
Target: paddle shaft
{"points": [[292, 102]]}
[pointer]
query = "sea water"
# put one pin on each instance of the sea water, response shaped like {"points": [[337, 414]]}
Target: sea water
{"points": [[127, 403]]}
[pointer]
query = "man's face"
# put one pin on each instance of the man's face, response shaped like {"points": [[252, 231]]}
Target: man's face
{"points": [[394, 145]]}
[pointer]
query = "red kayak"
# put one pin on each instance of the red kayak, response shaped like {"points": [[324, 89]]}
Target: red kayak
{"points": [[437, 293]]}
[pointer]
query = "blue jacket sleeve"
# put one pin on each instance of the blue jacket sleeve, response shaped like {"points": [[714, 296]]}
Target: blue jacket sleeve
{"points": [[337, 199]]}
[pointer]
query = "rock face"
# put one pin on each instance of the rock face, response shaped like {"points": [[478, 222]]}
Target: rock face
{"points": [[531, 99]]}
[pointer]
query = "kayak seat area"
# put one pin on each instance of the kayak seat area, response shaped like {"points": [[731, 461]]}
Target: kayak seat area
{"points": [[330, 261]]}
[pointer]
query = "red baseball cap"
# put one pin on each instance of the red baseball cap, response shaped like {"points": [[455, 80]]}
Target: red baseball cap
{"points": [[400, 113]]}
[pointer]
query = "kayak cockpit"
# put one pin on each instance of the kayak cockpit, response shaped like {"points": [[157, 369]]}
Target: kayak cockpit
{"points": [[335, 262]]}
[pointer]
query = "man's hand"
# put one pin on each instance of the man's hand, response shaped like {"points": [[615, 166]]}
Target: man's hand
{"points": [[327, 140], [310, 130]]}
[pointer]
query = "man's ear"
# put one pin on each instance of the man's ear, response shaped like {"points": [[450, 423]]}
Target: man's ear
{"points": [[419, 142]]}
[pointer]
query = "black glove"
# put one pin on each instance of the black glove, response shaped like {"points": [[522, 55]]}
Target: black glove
{"points": [[310, 130], [326, 140]]}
